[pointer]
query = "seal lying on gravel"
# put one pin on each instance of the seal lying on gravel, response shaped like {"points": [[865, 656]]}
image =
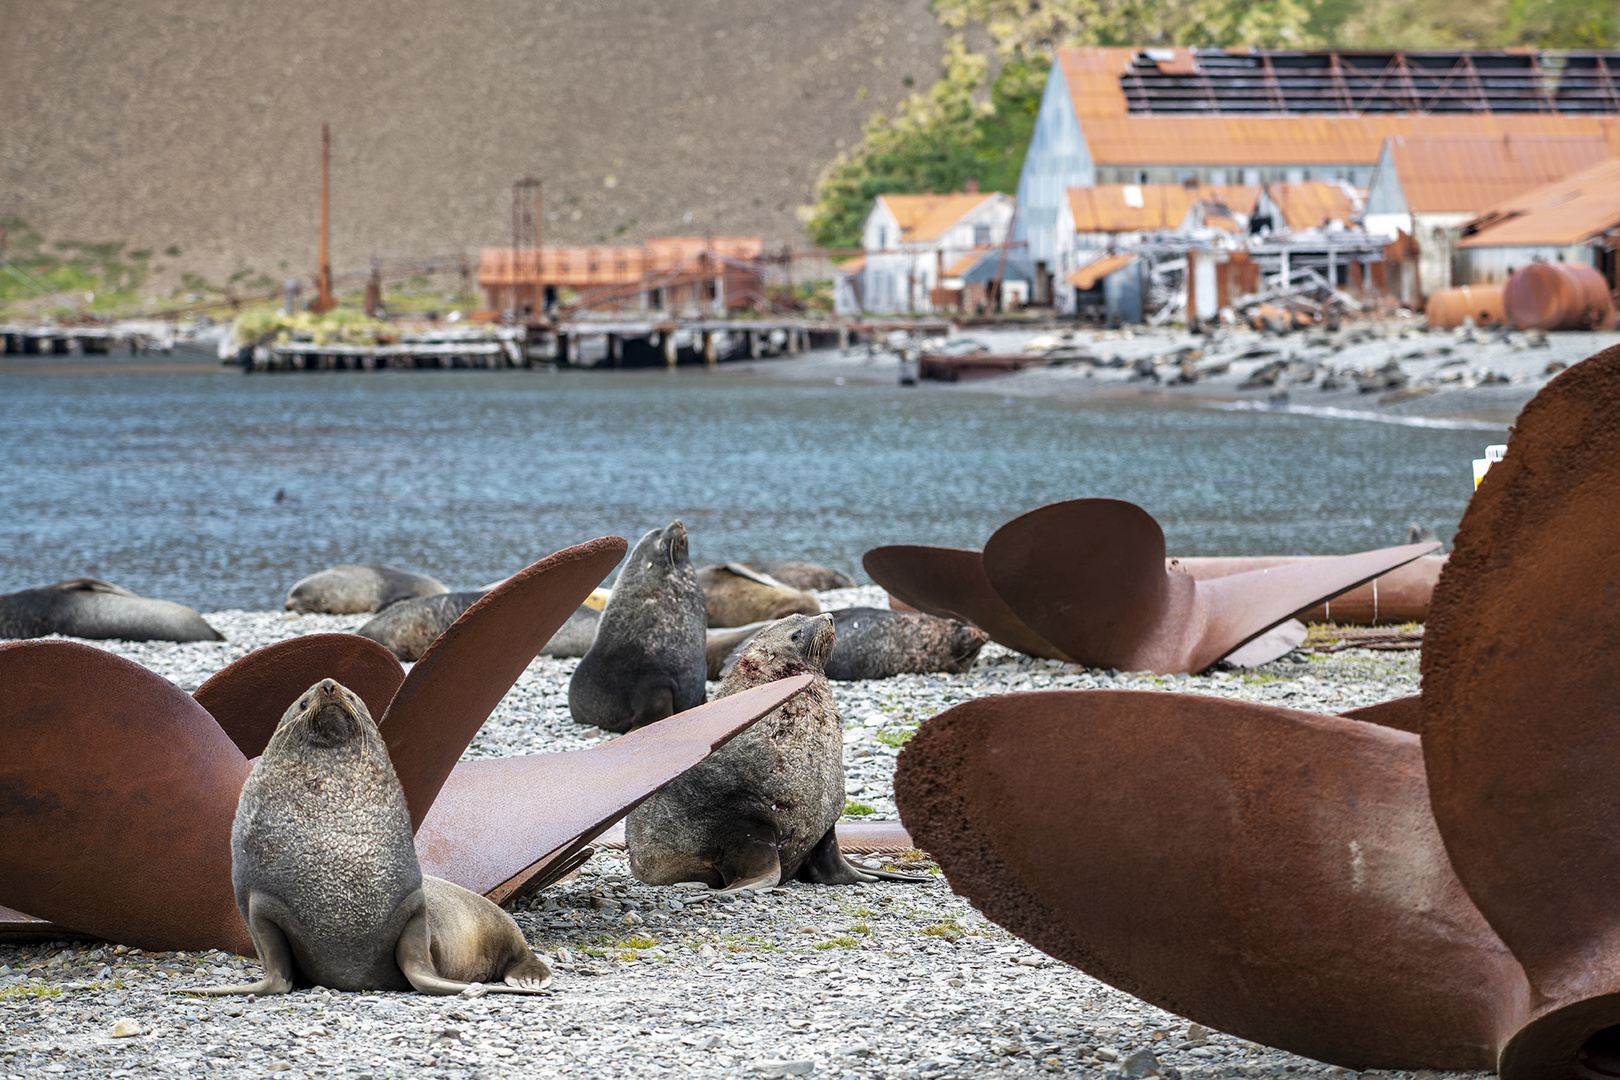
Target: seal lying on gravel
{"points": [[761, 809], [734, 594], [325, 871], [410, 626], [87, 608], [646, 662], [874, 643], [351, 589], [803, 575]]}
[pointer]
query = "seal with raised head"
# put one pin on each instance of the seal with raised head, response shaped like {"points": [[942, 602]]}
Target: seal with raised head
{"points": [[97, 610], [647, 659], [353, 589], [408, 627], [325, 871], [762, 808], [803, 575], [734, 595]]}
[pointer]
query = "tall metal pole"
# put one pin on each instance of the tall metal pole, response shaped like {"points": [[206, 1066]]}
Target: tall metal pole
{"points": [[324, 300]]}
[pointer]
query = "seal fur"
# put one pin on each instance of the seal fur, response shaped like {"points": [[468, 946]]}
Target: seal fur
{"points": [[812, 577], [647, 659], [98, 610], [762, 808], [875, 643], [355, 589], [408, 627], [324, 867], [734, 595]]}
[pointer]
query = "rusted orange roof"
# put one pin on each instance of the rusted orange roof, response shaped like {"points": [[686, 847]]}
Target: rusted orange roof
{"points": [[926, 217], [850, 266], [670, 252], [1110, 208], [1116, 137], [1456, 175], [965, 263], [1310, 203], [1566, 211], [1087, 276], [561, 266]]}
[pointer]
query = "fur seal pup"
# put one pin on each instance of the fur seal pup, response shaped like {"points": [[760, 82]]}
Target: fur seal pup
{"points": [[408, 627], [325, 871], [734, 595], [87, 608], [762, 808], [803, 575], [352, 589], [873, 643], [647, 660]]}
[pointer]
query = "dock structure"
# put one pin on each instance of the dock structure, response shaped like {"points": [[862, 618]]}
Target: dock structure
{"points": [[44, 339]]}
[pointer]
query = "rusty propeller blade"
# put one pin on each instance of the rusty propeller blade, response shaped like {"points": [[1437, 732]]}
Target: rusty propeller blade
{"points": [[497, 822], [1402, 714], [1521, 690], [117, 793], [950, 583], [1401, 595], [249, 696], [466, 672], [1089, 576], [1274, 874]]}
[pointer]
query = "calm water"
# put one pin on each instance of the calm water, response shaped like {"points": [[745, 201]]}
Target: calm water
{"points": [[221, 490]]}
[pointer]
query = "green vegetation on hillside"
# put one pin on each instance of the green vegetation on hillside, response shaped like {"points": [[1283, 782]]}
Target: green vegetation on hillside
{"points": [[969, 126], [67, 275]]}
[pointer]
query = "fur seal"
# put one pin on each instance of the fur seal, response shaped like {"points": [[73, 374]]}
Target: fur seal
{"points": [[408, 627], [762, 808], [87, 608], [803, 575], [874, 643], [647, 660], [326, 877], [734, 594], [352, 589]]}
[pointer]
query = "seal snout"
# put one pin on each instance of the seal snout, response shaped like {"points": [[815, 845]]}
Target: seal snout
{"points": [[331, 712]]}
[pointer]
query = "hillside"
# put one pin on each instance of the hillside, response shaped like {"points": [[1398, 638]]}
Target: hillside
{"points": [[195, 124]]}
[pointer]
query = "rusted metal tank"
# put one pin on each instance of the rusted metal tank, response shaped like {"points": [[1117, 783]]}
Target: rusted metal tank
{"points": [[1557, 296], [1449, 307]]}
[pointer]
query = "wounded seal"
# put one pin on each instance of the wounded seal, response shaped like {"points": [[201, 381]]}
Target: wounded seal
{"points": [[352, 589], [87, 608], [325, 871], [762, 808], [408, 627], [734, 595], [647, 660]]}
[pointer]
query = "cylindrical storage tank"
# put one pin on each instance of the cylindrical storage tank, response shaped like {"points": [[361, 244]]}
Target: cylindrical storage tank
{"points": [[1557, 296], [1448, 308]]}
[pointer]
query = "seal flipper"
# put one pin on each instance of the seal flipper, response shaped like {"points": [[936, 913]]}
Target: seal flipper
{"points": [[414, 955], [752, 864], [274, 953], [826, 865], [650, 704]]}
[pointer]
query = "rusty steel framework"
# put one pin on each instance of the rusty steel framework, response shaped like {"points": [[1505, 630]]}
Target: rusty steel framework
{"points": [[1287, 82], [119, 789], [1426, 883]]}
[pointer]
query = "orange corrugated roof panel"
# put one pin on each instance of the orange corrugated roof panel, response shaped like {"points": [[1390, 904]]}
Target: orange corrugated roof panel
{"points": [[1566, 211], [965, 263], [669, 252], [1087, 276], [926, 217], [1310, 203], [851, 266], [1457, 175], [1108, 207]]}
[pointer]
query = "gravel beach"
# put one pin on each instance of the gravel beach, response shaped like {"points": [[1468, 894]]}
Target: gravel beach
{"points": [[877, 980]]}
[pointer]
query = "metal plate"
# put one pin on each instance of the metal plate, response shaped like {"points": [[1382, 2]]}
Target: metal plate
{"points": [[1269, 873], [249, 696], [117, 793], [497, 817], [950, 583], [465, 673]]}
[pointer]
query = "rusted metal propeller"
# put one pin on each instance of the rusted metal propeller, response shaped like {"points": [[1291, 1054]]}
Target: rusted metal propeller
{"points": [[1089, 576], [117, 793], [500, 823], [950, 583], [1336, 885]]}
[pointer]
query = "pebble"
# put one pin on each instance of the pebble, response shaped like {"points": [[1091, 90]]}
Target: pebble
{"points": [[876, 980]]}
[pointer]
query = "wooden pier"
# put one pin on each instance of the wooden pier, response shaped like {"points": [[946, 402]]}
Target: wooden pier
{"points": [[48, 340]]}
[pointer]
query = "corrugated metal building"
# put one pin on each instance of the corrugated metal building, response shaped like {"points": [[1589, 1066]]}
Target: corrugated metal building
{"points": [[1250, 117], [1576, 219], [911, 240], [1428, 188]]}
